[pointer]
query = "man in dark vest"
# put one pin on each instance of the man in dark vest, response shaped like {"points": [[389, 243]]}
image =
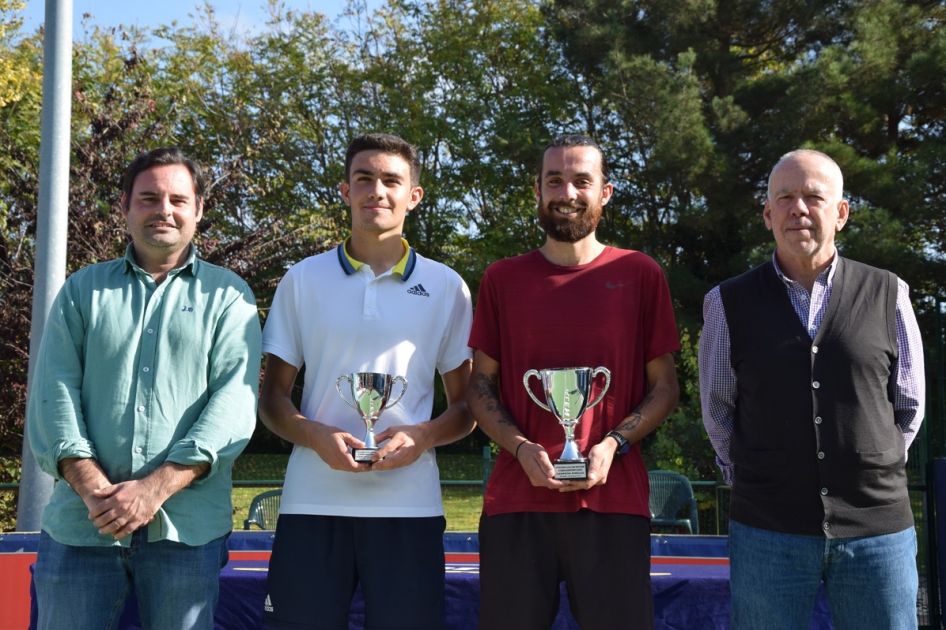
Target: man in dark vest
{"points": [[811, 375]]}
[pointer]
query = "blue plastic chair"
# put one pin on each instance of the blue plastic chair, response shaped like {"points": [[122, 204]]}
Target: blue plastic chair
{"points": [[264, 510], [669, 493]]}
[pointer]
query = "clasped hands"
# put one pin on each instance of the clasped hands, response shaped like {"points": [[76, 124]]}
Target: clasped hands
{"points": [[119, 509], [400, 446], [537, 465]]}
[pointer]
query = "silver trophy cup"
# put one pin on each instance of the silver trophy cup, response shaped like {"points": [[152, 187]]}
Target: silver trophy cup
{"points": [[370, 392], [567, 391]]}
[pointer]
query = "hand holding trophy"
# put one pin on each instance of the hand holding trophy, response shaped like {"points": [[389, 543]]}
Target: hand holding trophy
{"points": [[370, 392], [567, 391]]}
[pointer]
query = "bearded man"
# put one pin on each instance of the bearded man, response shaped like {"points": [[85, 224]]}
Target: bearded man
{"points": [[574, 302]]}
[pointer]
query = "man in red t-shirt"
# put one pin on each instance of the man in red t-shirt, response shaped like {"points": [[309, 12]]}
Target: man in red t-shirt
{"points": [[574, 302]]}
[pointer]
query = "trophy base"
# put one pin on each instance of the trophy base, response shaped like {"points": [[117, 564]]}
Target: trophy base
{"points": [[363, 455], [566, 469]]}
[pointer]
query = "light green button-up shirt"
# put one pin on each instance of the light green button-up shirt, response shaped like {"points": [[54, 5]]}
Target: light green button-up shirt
{"points": [[135, 374]]}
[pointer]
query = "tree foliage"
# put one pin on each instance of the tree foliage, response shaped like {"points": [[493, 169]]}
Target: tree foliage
{"points": [[693, 100], [680, 444], [270, 114], [698, 99], [13, 76]]}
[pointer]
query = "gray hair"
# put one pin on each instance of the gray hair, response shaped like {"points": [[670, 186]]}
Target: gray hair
{"points": [[800, 152]]}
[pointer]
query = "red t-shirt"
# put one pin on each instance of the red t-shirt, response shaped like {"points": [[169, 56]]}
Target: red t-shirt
{"points": [[613, 312]]}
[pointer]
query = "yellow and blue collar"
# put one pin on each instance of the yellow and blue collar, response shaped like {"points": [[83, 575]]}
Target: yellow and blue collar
{"points": [[404, 267]]}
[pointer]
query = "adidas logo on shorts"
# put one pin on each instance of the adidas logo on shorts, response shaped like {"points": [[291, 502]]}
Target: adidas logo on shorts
{"points": [[268, 605], [418, 289]]}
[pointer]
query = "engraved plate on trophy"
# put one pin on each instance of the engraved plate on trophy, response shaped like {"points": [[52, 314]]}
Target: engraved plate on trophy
{"points": [[370, 392], [566, 397]]}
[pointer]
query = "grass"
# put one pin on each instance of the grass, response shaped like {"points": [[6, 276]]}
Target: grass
{"points": [[462, 504]]}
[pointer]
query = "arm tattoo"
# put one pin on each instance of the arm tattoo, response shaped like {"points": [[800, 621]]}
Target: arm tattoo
{"points": [[487, 386], [635, 418]]}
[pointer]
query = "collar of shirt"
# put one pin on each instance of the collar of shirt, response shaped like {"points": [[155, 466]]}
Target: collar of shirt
{"points": [[810, 307], [190, 264], [825, 278], [404, 268]]}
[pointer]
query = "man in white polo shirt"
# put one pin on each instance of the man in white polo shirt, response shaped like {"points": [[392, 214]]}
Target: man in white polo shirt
{"points": [[370, 305]]}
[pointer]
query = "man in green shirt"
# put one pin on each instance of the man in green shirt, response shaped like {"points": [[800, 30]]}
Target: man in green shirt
{"points": [[144, 393]]}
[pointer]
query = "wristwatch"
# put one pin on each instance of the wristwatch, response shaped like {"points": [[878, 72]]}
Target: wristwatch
{"points": [[623, 445]]}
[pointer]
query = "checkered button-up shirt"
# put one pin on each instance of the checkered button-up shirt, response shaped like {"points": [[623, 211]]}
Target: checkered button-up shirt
{"points": [[718, 380]]}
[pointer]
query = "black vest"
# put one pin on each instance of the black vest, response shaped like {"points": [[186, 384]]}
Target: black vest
{"points": [[815, 447]]}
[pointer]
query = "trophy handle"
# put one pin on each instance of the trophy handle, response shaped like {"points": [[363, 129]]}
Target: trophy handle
{"points": [[345, 377], [403, 389], [525, 381], [607, 384]]}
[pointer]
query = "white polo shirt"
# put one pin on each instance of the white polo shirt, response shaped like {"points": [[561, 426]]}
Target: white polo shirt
{"points": [[337, 318]]}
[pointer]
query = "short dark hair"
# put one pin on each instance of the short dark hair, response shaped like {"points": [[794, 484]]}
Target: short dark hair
{"points": [[577, 140], [162, 156], [386, 143]]}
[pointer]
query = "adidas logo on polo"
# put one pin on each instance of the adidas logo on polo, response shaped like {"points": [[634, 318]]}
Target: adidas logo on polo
{"points": [[418, 289], [268, 605]]}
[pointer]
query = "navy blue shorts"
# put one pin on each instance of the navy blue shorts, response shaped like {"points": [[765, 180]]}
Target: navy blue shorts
{"points": [[318, 561], [604, 560]]}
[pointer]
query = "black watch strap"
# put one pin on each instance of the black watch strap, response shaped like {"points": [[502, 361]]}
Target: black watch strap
{"points": [[623, 445]]}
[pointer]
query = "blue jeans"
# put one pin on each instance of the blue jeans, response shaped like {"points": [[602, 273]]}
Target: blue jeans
{"points": [[870, 582], [86, 587]]}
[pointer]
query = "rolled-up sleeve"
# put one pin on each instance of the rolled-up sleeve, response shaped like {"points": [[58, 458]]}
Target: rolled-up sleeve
{"points": [[226, 423], [717, 381], [57, 428]]}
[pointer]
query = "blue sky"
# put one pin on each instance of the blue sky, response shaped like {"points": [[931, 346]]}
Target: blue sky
{"points": [[242, 14]]}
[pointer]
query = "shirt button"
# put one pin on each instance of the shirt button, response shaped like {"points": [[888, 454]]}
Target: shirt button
{"points": [[138, 450], [141, 407], [150, 330], [820, 455], [368, 304], [816, 384], [145, 369], [824, 491], [825, 526], [814, 349], [818, 420]]}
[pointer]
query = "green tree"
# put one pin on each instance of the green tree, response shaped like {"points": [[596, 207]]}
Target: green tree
{"points": [[680, 444], [128, 99], [693, 101], [477, 88], [697, 100], [19, 167], [14, 76]]}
